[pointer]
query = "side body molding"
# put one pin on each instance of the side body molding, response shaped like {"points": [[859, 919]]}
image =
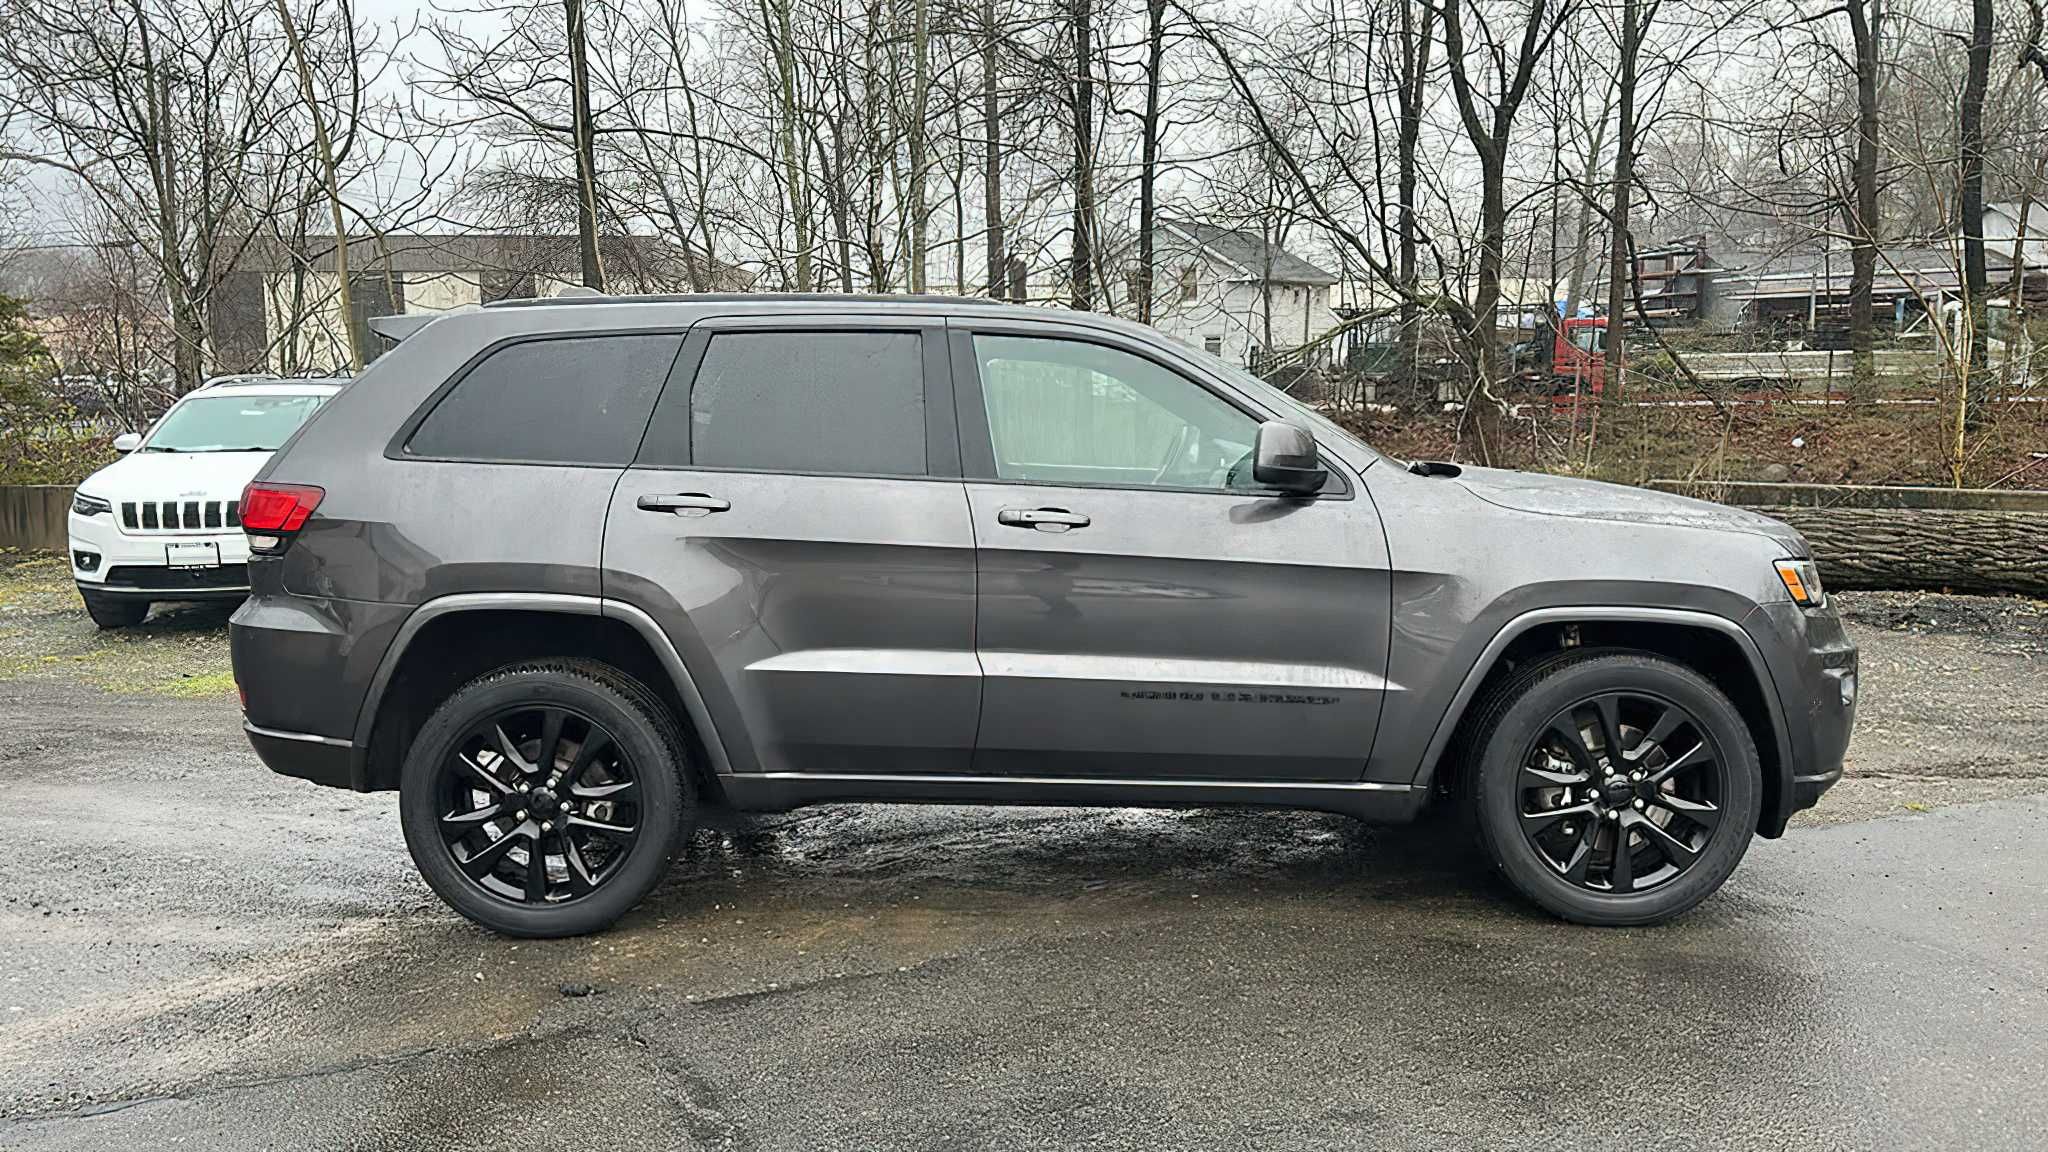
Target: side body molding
{"points": [[1447, 725], [641, 622]]}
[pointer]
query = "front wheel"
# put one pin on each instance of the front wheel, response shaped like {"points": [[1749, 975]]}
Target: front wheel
{"points": [[1613, 788], [114, 611], [545, 799]]}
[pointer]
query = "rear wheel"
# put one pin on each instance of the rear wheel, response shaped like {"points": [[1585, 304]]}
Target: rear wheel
{"points": [[1612, 787], [546, 799], [114, 611]]}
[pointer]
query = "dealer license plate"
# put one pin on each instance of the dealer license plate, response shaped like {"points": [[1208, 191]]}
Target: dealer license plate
{"points": [[197, 554]]}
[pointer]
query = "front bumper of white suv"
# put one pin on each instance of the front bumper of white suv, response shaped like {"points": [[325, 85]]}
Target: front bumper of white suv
{"points": [[157, 556]]}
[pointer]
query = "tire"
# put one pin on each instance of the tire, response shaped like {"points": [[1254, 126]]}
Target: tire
{"points": [[1547, 838], [601, 879], [114, 611]]}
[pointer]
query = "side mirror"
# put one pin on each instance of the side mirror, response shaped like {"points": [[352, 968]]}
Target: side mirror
{"points": [[1285, 458], [127, 442]]}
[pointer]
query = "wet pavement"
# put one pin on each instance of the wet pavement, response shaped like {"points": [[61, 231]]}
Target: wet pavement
{"points": [[194, 953]]}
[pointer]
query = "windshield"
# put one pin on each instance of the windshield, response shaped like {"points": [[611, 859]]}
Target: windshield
{"points": [[231, 423], [1322, 425]]}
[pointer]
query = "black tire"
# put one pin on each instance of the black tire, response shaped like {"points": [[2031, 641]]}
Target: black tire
{"points": [[640, 732], [114, 611], [1707, 801]]}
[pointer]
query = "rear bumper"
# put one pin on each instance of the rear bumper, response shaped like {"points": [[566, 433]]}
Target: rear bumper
{"points": [[320, 759]]}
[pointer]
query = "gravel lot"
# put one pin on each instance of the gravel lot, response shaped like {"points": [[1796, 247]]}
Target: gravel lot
{"points": [[194, 952]]}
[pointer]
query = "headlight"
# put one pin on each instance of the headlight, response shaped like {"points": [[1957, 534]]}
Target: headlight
{"points": [[89, 505], [1802, 580]]}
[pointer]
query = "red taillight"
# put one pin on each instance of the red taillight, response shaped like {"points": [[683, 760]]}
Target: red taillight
{"points": [[278, 507]]}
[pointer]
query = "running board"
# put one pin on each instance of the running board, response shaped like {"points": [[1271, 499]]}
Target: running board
{"points": [[782, 791]]}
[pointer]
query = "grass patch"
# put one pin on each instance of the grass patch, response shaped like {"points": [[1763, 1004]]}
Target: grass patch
{"points": [[180, 651]]}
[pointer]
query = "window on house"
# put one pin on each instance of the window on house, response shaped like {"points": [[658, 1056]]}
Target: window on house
{"points": [[1213, 345], [1190, 282]]}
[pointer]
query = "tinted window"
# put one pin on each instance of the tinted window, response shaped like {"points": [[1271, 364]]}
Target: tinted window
{"points": [[582, 400], [848, 402], [1066, 412]]}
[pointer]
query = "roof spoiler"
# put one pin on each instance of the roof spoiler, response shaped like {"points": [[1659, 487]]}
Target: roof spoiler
{"points": [[396, 328]]}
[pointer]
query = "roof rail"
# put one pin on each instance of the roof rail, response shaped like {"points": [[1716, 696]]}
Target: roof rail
{"points": [[236, 378], [398, 327], [592, 296]]}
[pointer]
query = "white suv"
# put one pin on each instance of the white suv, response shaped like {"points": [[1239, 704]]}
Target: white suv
{"points": [[164, 521]]}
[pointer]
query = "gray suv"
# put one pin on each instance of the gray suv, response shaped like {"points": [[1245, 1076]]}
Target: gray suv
{"points": [[570, 575]]}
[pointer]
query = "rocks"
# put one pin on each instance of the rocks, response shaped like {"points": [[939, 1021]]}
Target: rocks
{"points": [[575, 990], [1775, 473]]}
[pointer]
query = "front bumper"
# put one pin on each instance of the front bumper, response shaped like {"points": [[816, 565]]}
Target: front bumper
{"points": [[105, 559], [1818, 676]]}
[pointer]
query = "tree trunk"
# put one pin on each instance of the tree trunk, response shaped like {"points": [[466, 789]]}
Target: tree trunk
{"points": [[586, 148], [1976, 275], [1148, 163], [1865, 29], [1081, 265], [775, 25], [992, 152], [1415, 46], [323, 151], [1619, 278], [920, 35]]}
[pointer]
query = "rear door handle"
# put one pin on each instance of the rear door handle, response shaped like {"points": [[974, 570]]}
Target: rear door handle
{"points": [[1043, 519], [682, 504]]}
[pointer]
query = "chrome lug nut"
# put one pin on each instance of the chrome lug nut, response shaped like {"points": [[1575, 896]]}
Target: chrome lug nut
{"points": [[520, 815], [1640, 806]]}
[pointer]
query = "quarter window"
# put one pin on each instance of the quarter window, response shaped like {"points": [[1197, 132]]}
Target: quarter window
{"points": [[827, 402], [575, 400], [1067, 412]]}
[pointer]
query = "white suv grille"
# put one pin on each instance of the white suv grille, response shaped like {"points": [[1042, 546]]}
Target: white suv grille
{"points": [[180, 515]]}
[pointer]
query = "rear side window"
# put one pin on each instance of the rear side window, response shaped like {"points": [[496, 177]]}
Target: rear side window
{"points": [[832, 402], [576, 400]]}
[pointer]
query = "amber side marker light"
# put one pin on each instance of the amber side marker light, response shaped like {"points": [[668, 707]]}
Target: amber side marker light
{"points": [[1802, 582]]}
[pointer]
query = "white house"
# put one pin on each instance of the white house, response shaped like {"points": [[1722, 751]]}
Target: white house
{"points": [[1232, 294], [2002, 229]]}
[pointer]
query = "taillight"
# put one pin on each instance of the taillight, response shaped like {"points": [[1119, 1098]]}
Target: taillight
{"points": [[272, 512]]}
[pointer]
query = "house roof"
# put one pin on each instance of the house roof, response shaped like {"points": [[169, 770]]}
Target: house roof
{"points": [[1249, 251]]}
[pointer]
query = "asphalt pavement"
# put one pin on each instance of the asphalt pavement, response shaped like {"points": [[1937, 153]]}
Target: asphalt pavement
{"points": [[194, 953]]}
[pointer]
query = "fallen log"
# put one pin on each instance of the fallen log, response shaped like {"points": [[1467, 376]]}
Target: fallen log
{"points": [[1963, 540]]}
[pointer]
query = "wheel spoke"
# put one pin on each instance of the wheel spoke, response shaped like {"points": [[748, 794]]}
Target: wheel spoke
{"points": [[1667, 722], [1535, 822], [581, 878], [617, 833], [508, 749], [536, 870], [1545, 778], [1609, 709], [484, 775], [1703, 814], [1675, 850], [479, 863], [550, 738], [1621, 875], [1699, 755], [472, 818], [610, 791], [1566, 728], [596, 742], [1582, 853]]}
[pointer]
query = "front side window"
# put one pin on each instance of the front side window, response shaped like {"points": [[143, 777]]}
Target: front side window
{"points": [[849, 403], [572, 400], [1068, 412], [231, 423]]}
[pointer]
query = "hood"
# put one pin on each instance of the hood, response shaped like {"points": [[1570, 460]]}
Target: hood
{"points": [[175, 476], [1593, 500]]}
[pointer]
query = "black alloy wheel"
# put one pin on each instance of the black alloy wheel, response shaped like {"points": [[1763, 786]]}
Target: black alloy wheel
{"points": [[545, 799], [1621, 792], [539, 805]]}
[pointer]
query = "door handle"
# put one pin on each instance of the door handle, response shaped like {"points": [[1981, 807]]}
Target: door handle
{"points": [[1043, 519], [682, 504]]}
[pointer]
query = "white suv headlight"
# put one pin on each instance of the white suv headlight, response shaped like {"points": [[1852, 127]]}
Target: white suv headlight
{"points": [[89, 505]]}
